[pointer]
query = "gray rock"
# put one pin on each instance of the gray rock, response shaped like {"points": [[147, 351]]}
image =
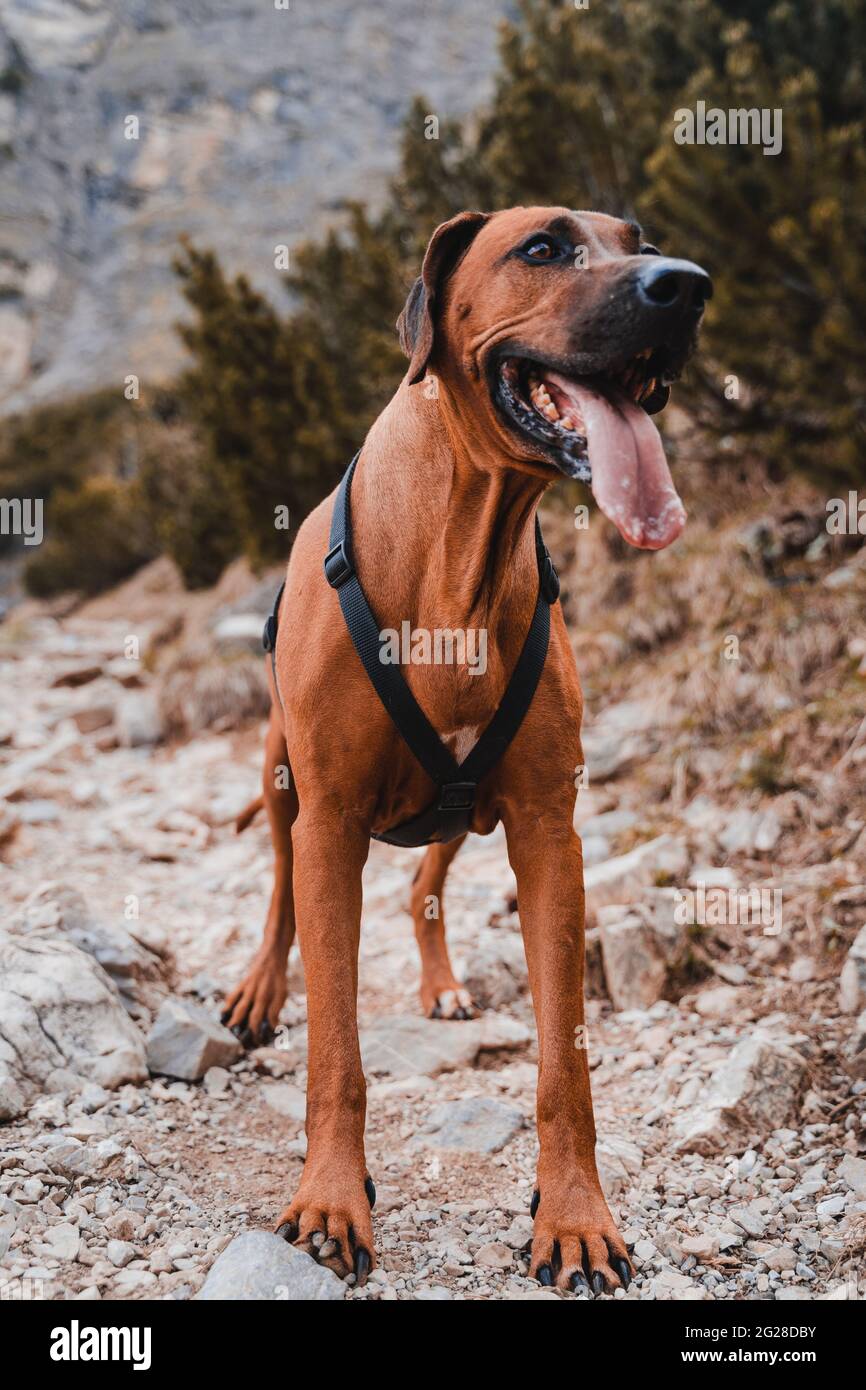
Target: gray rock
{"points": [[139, 974], [478, 1124], [634, 968], [120, 1252], [261, 1266], [852, 981], [286, 1099], [852, 1171], [619, 1163], [495, 1255], [411, 1046], [750, 832], [186, 1040], [139, 719], [624, 877], [62, 1023], [752, 1092], [63, 1240], [495, 973], [622, 735]]}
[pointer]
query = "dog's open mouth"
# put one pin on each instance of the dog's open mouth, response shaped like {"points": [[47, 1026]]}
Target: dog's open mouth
{"points": [[596, 428]]}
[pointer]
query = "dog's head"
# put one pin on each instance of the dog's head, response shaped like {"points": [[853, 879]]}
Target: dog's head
{"points": [[557, 334]]}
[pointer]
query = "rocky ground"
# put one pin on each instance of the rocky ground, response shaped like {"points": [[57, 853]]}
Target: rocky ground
{"points": [[727, 1059]]}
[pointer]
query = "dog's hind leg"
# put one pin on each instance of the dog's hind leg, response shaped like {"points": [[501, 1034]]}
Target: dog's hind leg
{"points": [[442, 996], [253, 1008]]}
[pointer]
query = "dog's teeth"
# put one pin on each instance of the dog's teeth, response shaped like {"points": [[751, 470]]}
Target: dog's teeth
{"points": [[551, 411]]}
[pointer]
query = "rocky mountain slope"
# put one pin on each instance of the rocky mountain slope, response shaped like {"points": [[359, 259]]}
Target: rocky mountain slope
{"points": [[254, 124], [728, 1051]]}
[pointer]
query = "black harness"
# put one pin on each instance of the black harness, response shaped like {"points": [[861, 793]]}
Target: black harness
{"points": [[450, 812]]}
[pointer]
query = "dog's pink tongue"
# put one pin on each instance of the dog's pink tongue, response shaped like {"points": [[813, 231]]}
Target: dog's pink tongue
{"points": [[631, 480]]}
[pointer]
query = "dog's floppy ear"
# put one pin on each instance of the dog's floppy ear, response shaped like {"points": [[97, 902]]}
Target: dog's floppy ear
{"points": [[416, 323]]}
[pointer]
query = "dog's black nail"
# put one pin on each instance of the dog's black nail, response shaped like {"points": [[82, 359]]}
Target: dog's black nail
{"points": [[578, 1282], [597, 1283], [621, 1268], [288, 1231], [370, 1189], [437, 1012], [545, 1274], [362, 1265], [533, 1205], [266, 1032], [461, 1013], [238, 1029], [630, 1248], [225, 1016]]}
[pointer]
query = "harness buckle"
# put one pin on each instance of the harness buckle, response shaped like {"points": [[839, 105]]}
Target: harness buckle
{"points": [[338, 566], [457, 796]]}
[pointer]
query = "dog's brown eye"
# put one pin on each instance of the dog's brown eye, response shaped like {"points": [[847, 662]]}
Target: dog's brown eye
{"points": [[541, 248]]}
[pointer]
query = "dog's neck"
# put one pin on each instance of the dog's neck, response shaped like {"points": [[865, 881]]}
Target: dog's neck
{"points": [[444, 534]]}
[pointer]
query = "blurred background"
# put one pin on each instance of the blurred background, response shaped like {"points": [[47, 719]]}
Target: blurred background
{"points": [[156, 157], [210, 215]]}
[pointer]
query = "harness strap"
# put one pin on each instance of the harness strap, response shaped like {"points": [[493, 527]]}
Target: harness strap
{"points": [[450, 813], [269, 637]]}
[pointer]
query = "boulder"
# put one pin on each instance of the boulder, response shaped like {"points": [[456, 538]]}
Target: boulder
{"points": [[260, 1266], [186, 1040], [62, 1023], [752, 1092], [139, 974]]}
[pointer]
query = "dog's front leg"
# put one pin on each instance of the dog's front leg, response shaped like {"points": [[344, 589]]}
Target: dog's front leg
{"points": [[575, 1240], [329, 1216]]}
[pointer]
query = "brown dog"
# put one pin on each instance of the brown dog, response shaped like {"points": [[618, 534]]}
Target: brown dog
{"points": [[550, 337]]}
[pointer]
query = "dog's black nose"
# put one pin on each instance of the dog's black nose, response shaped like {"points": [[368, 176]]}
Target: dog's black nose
{"points": [[664, 283]]}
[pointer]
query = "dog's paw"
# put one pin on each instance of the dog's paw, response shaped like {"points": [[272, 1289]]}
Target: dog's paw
{"points": [[333, 1226], [452, 1003], [576, 1245], [252, 1010]]}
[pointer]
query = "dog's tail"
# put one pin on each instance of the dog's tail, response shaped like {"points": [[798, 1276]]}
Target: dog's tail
{"points": [[248, 814]]}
